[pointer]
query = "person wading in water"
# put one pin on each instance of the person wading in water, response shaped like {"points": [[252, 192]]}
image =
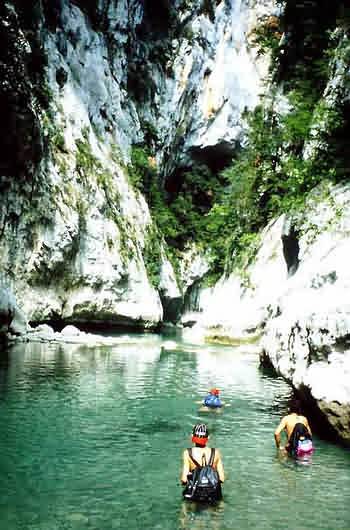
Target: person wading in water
{"points": [[297, 429], [212, 402], [202, 471]]}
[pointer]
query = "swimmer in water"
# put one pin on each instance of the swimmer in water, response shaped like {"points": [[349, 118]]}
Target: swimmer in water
{"points": [[212, 401]]}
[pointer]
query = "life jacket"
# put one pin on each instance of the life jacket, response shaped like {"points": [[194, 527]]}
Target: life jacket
{"points": [[212, 401], [300, 441], [203, 483]]}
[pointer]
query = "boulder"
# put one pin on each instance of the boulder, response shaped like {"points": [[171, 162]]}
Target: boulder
{"points": [[12, 319], [70, 331]]}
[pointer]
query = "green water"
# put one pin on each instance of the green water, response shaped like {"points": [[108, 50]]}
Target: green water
{"points": [[92, 438]]}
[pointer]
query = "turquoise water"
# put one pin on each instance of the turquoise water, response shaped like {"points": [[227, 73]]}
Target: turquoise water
{"points": [[93, 438]]}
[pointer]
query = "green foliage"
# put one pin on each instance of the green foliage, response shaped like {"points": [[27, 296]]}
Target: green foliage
{"points": [[152, 256], [140, 170], [271, 175], [117, 155], [150, 133], [198, 188], [58, 141], [55, 139], [106, 183], [296, 124], [87, 164], [180, 215], [266, 35]]}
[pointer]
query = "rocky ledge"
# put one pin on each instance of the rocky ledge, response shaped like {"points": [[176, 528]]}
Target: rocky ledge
{"points": [[68, 335], [294, 301], [14, 328]]}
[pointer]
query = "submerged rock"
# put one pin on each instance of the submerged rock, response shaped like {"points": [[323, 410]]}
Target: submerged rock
{"points": [[68, 335]]}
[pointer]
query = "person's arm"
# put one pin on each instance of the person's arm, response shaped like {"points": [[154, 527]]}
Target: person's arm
{"points": [[219, 466], [278, 431], [185, 467]]}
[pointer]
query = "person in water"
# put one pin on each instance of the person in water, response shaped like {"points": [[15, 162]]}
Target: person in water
{"points": [[200, 453], [212, 399], [297, 429]]}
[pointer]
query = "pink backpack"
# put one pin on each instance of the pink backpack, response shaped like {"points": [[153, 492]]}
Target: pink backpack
{"points": [[304, 447]]}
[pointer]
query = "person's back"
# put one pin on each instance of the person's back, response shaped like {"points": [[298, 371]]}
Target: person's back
{"points": [[202, 456], [291, 420], [202, 471]]}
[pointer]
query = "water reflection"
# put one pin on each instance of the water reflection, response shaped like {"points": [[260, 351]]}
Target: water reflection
{"points": [[93, 438], [195, 516], [4, 367]]}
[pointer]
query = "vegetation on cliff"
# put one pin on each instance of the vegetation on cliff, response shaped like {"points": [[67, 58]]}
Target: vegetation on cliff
{"points": [[295, 139], [288, 150], [274, 172]]}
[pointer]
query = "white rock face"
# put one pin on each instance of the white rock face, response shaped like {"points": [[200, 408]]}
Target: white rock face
{"points": [[236, 309], [217, 75], [304, 318], [87, 263], [102, 283]]}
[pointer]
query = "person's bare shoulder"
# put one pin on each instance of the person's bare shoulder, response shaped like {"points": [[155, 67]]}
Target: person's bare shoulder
{"points": [[217, 455]]}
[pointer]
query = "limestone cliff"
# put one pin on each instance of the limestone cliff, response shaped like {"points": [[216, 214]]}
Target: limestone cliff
{"points": [[87, 88], [292, 301], [81, 83]]}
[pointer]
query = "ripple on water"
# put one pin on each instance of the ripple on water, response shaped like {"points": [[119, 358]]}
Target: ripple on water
{"points": [[93, 439]]}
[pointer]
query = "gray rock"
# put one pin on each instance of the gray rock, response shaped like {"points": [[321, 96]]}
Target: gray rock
{"points": [[338, 415], [43, 329], [7, 309], [70, 331], [19, 323], [12, 319], [81, 257]]}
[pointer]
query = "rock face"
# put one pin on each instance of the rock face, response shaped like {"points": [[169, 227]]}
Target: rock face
{"points": [[12, 319], [299, 314], [307, 335], [82, 82], [293, 302]]}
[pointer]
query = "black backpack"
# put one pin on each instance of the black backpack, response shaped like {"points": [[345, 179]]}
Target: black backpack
{"points": [[299, 431], [203, 483]]}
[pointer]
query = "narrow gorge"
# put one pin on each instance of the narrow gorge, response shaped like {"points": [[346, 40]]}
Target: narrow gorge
{"points": [[182, 163]]}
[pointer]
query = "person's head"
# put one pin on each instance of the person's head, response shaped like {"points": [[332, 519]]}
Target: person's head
{"points": [[295, 406], [200, 434], [215, 391]]}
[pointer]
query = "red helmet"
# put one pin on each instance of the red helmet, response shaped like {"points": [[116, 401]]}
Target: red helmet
{"points": [[215, 391]]}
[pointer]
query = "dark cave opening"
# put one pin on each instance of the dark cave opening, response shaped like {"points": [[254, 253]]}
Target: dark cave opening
{"points": [[291, 251], [216, 157]]}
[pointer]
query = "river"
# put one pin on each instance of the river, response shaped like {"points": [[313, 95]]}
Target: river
{"points": [[92, 438]]}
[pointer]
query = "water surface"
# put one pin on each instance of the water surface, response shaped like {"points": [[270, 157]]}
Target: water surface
{"points": [[93, 437]]}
